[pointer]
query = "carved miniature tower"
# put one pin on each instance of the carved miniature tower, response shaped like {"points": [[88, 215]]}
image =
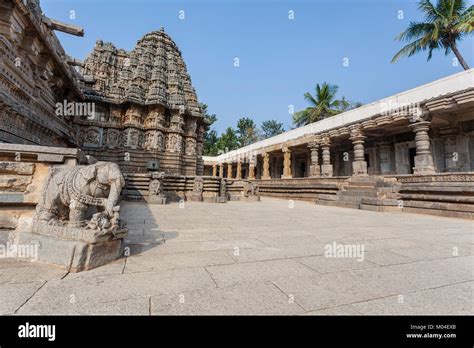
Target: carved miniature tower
{"points": [[147, 113]]}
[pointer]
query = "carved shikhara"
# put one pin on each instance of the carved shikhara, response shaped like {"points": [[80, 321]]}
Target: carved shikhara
{"points": [[144, 102], [68, 194]]}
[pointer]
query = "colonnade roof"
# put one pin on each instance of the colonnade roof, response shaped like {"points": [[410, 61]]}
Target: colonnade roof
{"points": [[412, 97]]}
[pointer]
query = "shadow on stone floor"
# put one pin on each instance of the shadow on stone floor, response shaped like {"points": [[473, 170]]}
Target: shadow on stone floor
{"points": [[148, 242], [144, 231]]}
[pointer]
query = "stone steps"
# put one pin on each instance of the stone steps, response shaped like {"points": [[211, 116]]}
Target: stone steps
{"points": [[360, 193]]}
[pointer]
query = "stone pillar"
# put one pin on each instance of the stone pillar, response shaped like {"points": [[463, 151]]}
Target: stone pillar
{"points": [[214, 170], [314, 167], [266, 167], [326, 167], [423, 159], [286, 164], [239, 170], [229, 170], [221, 170], [359, 165], [252, 164]]}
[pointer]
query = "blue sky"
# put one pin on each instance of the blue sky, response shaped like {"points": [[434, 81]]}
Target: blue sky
{"points": [[280, 59]]}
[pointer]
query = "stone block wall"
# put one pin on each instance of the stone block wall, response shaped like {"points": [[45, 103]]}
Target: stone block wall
{"points": [[175, 187], [23, 172], [307, 189]]}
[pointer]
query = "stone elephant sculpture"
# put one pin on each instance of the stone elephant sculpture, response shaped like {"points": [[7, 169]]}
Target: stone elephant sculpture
{"points": [[70, 191]]}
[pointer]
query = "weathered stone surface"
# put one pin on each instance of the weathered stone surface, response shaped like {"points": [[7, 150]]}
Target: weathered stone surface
{"points": [[56, 295], [14, 182], [327, 290], [76, 305], [238, 299], [323, 264], [151, 261], [8, 221], [18, 168], [265, 270], [15, 295], [73, 256], [455, 299], [14, 270]]}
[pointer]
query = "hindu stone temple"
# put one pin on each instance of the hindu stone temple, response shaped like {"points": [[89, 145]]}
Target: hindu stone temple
{"points": [[75, 137]]}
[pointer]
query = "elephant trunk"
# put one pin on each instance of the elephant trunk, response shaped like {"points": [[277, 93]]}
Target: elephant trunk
{"points": [[114, 194]]}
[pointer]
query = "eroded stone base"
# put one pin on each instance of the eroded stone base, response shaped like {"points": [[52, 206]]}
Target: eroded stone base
{"points": [[73, 256], [195, 198], [326, 170], [156, 200], [359, 168]]}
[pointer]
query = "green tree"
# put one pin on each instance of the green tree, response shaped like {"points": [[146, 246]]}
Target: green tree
{"points": [[211, 142], [346, 105], [324, 104], [444, 25], [270, 128], [209, 118], [247, 131], [210, 136], [228, 141]]}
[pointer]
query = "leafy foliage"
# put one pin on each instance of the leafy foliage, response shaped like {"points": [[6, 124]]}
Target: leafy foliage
{"points": [[445, 24], [247, 131], [270, 128], [323, 104]]}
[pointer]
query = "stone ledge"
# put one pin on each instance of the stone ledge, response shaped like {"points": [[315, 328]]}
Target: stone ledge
{"points": [[44, 153]]}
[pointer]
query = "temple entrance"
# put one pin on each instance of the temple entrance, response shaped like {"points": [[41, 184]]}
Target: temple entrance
{"points": [[411, 156], [303, 169]]}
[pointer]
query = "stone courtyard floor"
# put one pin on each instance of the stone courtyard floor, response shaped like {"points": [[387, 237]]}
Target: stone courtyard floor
{"points": [[261, 258]]}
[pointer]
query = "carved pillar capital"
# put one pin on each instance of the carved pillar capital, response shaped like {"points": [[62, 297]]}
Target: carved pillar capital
{"points": [[356, 132], [325, 140]]}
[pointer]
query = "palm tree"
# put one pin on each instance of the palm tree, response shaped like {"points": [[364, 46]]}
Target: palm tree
{"points": [[444, 25], [323, 105]]}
